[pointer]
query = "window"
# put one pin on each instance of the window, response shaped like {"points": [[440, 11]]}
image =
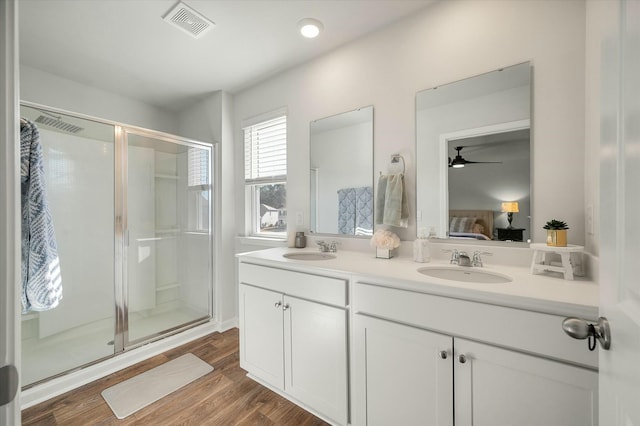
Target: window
{"points": [[265, 177], [199, 186]]}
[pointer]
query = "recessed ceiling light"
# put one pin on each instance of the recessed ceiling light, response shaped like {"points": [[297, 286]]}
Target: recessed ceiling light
{"points": [[310, 27]]}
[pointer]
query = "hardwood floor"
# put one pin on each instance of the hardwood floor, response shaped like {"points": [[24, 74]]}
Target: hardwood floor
{"points": [[223, 397]]}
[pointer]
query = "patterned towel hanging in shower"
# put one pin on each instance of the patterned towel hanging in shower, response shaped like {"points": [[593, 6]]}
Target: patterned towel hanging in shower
{"points": [[41, 279]]}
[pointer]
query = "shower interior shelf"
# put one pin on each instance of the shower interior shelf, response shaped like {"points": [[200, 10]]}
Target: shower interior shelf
{"points": [[165, 176], [169, 286]]}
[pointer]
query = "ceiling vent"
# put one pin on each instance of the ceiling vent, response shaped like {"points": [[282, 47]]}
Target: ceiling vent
{"points": [[188, 20], [57, 123]]}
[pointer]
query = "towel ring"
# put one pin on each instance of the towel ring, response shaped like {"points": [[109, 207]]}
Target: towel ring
{"points": [[396, 158]]}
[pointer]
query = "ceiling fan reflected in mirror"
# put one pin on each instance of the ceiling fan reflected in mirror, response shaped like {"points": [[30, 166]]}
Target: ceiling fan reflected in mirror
{"points": [[459, 161]]}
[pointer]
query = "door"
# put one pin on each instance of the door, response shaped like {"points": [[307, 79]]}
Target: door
{"points": [[168, 243], [9, 216], [619, 212], [494, 386], [261, 334], [80, 184], [316, 356], [404, 373]]}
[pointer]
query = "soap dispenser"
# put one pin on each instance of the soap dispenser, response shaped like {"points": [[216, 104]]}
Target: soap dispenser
{"points": [[421, 252]]}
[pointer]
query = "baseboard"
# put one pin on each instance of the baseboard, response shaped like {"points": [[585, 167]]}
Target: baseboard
{"points": [[228, 324], [75, 379]]}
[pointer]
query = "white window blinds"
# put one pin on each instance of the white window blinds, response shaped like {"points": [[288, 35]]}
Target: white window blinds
{"points": [[265, 151], [198, 167]]}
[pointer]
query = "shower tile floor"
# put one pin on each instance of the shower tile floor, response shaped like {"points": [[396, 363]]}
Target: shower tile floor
{"points": [[71, 349]]}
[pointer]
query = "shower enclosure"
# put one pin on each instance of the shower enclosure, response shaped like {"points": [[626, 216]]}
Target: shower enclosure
{"points": [[132, 214]]}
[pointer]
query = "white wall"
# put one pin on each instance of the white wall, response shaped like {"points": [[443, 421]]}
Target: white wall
{"points": [[50, 90], [445, 42], [595, 29], [210, 120]]}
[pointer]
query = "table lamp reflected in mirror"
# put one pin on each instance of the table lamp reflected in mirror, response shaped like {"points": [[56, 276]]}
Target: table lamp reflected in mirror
{"points": [[510, 207]]}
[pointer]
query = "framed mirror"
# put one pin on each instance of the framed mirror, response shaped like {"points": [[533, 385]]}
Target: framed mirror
{"points": [[473, 144], [341, 173]]}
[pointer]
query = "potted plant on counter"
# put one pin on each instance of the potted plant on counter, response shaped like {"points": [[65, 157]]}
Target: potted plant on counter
{"points": [[556, 233]]}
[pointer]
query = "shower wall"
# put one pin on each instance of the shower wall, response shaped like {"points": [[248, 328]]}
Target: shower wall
{"points": [[141, 216], [80, 188]]}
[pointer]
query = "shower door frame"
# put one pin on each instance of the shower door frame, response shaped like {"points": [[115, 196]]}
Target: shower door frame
{"points": [[121, 339], [121, 343]]}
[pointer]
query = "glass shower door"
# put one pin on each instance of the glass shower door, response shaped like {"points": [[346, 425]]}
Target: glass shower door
{"points": [[168, 243], [78, 161]]}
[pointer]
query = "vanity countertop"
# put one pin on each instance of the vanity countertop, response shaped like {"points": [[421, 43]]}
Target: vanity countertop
{"points": [[540, 293]]}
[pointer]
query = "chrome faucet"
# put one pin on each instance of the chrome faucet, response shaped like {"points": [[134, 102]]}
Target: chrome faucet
{"points": [[455, 257], [464, 259], [477, 260]]}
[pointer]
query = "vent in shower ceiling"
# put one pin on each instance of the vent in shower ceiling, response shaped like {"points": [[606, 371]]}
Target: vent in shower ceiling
{"points": [[188, 20], [57, 123]]}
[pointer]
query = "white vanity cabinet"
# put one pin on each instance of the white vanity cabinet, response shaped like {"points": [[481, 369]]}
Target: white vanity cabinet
{"points": [[496, 386], [421, 359], [403, 374], [293, 336]]}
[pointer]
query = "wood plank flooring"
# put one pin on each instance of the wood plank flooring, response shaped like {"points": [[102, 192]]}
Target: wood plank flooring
{"points": [[223, 397]]}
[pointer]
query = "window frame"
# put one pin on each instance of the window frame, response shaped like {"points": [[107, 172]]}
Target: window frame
{"points": [[253, 185], [198, 219]]}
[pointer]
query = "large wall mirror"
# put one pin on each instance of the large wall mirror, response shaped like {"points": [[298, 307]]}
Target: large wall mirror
{"points": [[341, 151], [473, 144]]}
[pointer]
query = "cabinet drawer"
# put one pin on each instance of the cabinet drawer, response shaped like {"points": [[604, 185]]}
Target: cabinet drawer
{"points": [[332, 291], [528, 331]]}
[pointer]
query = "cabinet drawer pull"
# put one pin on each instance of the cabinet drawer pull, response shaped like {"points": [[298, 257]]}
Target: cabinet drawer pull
{"points": [[462, 358], [443, 354], [285, 307], [278, 304]]}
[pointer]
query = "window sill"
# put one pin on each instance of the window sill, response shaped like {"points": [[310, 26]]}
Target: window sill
{"points": [[261, 241]]}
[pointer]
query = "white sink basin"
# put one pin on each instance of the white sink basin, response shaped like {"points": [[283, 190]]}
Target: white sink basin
{"points": [[309, 256], [464, 274]]}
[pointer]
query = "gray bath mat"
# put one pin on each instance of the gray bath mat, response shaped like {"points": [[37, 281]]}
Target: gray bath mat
{"points": [[135, 393]]}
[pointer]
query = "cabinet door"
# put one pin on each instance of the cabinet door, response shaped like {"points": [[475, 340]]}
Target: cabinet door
{"points": [[261, 334], [497, 386], [316, 356], [403, 375]]}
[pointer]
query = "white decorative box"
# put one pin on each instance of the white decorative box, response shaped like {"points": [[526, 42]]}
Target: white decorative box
{"points": [[383, 253]]}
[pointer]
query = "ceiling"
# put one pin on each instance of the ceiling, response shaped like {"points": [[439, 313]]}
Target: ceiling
{"points": [[124, 46]]}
